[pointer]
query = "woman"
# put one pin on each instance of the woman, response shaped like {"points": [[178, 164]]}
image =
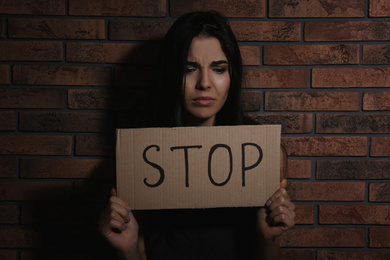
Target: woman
{"points": [[198, 84]]}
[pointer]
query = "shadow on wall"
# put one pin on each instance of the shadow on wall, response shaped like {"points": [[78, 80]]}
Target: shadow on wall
{"points": [[64, 224]]}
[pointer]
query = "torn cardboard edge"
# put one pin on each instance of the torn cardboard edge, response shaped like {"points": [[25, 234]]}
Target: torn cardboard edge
{"points": [[198, 167]]}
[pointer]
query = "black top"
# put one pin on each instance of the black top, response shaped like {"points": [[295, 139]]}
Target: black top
{"points": [[226, 233]]}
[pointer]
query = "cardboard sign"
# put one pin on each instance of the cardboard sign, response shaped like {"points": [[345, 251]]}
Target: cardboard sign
{"points": [[198, 167]]}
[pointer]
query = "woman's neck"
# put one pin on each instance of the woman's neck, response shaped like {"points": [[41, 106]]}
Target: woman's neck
{"points": [[192, 121]]}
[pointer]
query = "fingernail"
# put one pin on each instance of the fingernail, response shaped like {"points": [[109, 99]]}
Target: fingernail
{"points": [[128, 219], [268, 203], [128, 209], [124, 227]]}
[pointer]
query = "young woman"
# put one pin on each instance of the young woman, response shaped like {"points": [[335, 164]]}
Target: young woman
{"points": [[198, 84]]}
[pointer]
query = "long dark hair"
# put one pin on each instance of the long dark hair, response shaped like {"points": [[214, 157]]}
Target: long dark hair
{"points": [[168, 110]]}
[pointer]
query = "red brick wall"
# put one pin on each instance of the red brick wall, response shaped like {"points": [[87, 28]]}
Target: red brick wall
{"points": [[71, 71]]}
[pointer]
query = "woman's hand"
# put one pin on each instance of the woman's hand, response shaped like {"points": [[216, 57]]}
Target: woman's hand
{"points": [[278, 215], [119, 227]]}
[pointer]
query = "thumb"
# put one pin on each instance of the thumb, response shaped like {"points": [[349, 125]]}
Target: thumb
{"points": [[283, 184], [113, 192]]}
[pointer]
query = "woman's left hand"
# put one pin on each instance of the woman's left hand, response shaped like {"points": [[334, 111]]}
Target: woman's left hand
{"points": [[278, 215]]}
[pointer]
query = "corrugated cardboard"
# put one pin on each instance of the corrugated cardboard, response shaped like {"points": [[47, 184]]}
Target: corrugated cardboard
{"points": [[198, 167]]}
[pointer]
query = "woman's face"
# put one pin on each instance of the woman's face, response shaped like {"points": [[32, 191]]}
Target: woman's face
{"points": [[207, 81]]}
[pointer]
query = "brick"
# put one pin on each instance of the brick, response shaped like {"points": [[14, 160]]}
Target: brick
{"points": [[34, 190], [8, 168], [56, 28], [251, 100], [95, 145], [316, 8], [9, 214], [326, 191], [354, 214], [30, 51], [114, 98], [129, 53], [4, 74], [351, 78], [131, 30], [61, 75], [8, 121], [148, 8], [379, 237], [376, 101], [312, 101], [35, 238], [267, 31], [245, 8], [66, 122], [379, 8], [326, 146], [347, 31], [311, 54], [366, 169], [102, 253], [379, 192], [9, 255], [323, 237], [380, 146], [250, 55], [304, 214], [376, 54], [356, 123], [134, 76], [67, 168], [33, 7], [96, 191], [35, 145], [32, 98], [296, 254], [275, 78], [60, 213], [291, 123], [352, 254], [298, 169]]}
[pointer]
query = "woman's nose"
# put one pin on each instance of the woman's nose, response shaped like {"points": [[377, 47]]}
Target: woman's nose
{"points": [[203, 81]]}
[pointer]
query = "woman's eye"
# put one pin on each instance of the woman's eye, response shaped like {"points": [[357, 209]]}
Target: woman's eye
{"points": [[190, 69], [219, 70]]}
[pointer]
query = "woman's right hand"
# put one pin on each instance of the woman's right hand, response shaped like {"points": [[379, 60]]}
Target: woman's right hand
{"points": [[119, 227]]}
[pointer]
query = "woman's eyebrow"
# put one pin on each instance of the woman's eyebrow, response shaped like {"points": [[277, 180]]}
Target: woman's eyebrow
{"points": [[192, 63], [213, 63], [218, 62]]}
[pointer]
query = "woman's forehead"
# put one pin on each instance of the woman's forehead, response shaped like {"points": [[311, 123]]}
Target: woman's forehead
{"points": [[205, 48]]}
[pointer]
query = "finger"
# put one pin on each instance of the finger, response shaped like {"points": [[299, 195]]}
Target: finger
{"points": [[281, 195], [118, 201], [282, 200], [283, 184], [110, 221], [283, 220], [123, 212], [281, 210], [113, 192], [116, 225]]}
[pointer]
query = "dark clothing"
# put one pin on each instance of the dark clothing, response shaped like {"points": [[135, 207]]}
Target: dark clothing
{"points": [[227, 234]]}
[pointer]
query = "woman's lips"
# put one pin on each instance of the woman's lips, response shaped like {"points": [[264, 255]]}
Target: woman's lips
{"points": [[204, 101]]}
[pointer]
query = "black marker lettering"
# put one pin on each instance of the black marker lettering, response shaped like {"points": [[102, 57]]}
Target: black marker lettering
{"points": [[244, 168], [158, 167], [186, 157], [212, 150]]}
